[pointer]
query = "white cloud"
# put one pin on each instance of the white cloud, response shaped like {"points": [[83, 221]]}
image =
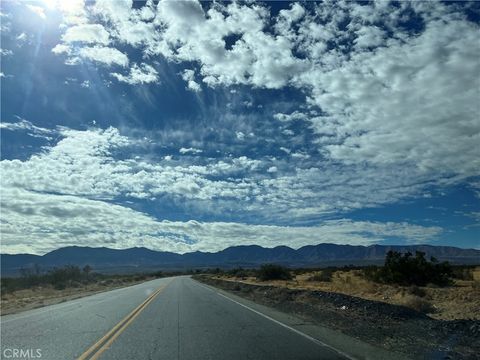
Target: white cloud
{"points": [[188, 34], [404, 103], [143, 74], [116, 11], [106, 55], [38, 223], [6, 52], [40, 11], [73, 11], [296, 115], [60, 194], [61, 49], [189, 77], [21, 37], [87, 33], [240, 135], [25, 125], [394, 109], [369, 36], [190, 151], [205, 185], [272, 169]]}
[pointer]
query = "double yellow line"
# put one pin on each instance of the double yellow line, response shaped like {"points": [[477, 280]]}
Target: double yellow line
{"points": [[104, 343]]}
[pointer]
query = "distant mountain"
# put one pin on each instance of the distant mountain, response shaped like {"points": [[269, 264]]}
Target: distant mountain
{"points": [[142, 259]]}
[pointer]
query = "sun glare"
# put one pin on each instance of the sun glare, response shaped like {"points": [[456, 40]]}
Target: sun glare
{"points": [[62, 5]]}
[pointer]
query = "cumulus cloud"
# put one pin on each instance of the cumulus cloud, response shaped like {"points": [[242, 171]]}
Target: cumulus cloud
{"points": [[87, 33], [189, 77], [139, 74], [105, 55], [403, 103]]}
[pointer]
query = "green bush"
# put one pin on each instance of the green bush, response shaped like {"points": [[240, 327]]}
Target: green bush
{"points": [[273, 272], [406, 269]]}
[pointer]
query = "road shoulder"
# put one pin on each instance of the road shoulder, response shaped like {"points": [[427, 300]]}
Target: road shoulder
{"points": [[344, 344]]}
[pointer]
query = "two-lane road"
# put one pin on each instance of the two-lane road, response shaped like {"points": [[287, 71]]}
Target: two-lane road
{"points": [[171, 318]]}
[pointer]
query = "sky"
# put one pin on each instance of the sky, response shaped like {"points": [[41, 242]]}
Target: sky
{"points": [[184, 126]]}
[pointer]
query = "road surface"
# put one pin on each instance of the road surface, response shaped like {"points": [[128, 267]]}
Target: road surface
{"points": [[171, 318]]}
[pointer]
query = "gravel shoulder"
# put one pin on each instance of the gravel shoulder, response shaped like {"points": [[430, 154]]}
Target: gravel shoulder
{"points": [[391, 327]]}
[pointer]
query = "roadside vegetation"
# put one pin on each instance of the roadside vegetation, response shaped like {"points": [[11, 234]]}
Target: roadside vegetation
{"points": [[35, 287], [439, 289], [406, 269], [68, 276], [273, 272]]}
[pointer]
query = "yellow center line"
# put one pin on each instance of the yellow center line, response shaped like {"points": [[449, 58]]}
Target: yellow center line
{"points": [[104, 343]]}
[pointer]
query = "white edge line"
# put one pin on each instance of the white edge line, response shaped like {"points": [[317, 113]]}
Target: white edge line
{"points": [[316, 341]]}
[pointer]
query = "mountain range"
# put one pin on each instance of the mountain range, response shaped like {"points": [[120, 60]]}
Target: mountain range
{"points": [[142, 259]]}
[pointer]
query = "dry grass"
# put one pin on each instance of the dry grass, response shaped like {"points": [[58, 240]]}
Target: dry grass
{"points": [[460, 301], [40, 296]]}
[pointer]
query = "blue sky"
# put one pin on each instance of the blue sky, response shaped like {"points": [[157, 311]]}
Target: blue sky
{"points": [[188, 126]]}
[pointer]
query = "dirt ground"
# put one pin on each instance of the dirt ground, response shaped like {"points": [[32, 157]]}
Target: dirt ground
{"points": [[27, 299], [457, 302]]}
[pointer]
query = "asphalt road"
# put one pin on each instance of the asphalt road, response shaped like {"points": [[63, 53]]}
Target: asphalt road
{"points": [[171, 318]]}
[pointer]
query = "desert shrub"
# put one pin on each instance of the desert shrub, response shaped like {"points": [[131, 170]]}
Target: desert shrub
{"points": [[415, 290], [158, 274], [65, 275], [59, 278], [406, 269], [462, 273], [59, 286], [370, 272], [216, 271], [323, 276], [273, 272], [419, 304], [238, 272], [300, 271]]}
